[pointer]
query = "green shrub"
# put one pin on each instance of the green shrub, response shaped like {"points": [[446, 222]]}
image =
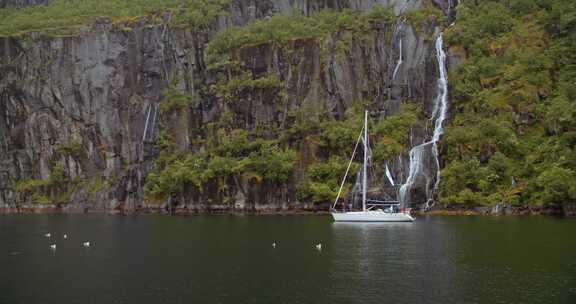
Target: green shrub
{"points": [[237, 87], [31, 185], [58, 176], [173, 100], [554, 185], [97, 184], [73, 148], [324, 180], [392, 134], [40, 199]]}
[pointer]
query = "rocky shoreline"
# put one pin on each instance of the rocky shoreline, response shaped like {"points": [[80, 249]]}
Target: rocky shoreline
{"points": [[568, 210]]}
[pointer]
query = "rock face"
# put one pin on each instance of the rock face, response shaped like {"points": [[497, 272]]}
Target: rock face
{"points": [[90, 103], [21, 3]]}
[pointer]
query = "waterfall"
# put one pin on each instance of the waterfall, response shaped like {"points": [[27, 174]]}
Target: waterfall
{"points": [[153, 126], [398, 34], [149, 128], [441, 102], [152, 109], [416, 169], [146, 124], [439, 112]]}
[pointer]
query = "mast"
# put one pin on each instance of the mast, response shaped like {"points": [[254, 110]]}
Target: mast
{"points": [[364, 175]]}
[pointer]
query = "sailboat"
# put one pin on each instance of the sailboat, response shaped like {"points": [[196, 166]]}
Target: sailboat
{"points": [[372, 210]]}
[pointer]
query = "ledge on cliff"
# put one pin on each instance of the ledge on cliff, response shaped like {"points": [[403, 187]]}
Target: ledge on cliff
{"points": [[63, 17]]}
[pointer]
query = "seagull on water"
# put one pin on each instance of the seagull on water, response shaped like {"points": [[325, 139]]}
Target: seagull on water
{"points": [[274, 244], [53, 246], [65, 236], [47, 235], [319, 246], [86, 244]]}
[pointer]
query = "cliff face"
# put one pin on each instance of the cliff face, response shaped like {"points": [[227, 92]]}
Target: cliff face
{"points": [[21, 3], [89, 105]]}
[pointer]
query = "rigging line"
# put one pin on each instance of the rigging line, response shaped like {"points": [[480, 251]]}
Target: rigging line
{"points": [[347, 169]]}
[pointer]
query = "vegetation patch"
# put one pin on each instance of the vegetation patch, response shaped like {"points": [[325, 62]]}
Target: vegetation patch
{"points": [[280, 29], [97, 184], [52, 190], [393, 133], [174, 100], [235, 156], [238, 86], [61, 17], [512, 136], [324, 179], [73, 148], [425, 15]]}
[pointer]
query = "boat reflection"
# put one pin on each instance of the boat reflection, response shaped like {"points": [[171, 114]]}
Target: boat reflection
{"points": [[372, 225]]}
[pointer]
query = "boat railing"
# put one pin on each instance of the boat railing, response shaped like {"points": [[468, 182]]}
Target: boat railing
{"points": [[372, 202]]}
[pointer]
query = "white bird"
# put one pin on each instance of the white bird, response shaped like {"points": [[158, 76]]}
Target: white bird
{"points": [[65, 236], [86, 244], [47, 235], [53, 246], [274, 244], [319, 246]]}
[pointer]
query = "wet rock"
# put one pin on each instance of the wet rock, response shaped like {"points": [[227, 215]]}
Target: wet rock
{"points": [[569, 210]]}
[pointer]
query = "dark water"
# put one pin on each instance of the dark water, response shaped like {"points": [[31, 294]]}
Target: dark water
{"points": [[230, 259]]}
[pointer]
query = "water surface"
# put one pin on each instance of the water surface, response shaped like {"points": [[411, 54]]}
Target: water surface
{"points": [[230, 259]]}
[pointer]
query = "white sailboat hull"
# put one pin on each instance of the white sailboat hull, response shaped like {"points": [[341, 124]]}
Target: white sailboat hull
{"points": [[371, 216]]}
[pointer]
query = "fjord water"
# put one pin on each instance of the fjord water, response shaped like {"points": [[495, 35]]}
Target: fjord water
{"points": [[230, 259]]}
